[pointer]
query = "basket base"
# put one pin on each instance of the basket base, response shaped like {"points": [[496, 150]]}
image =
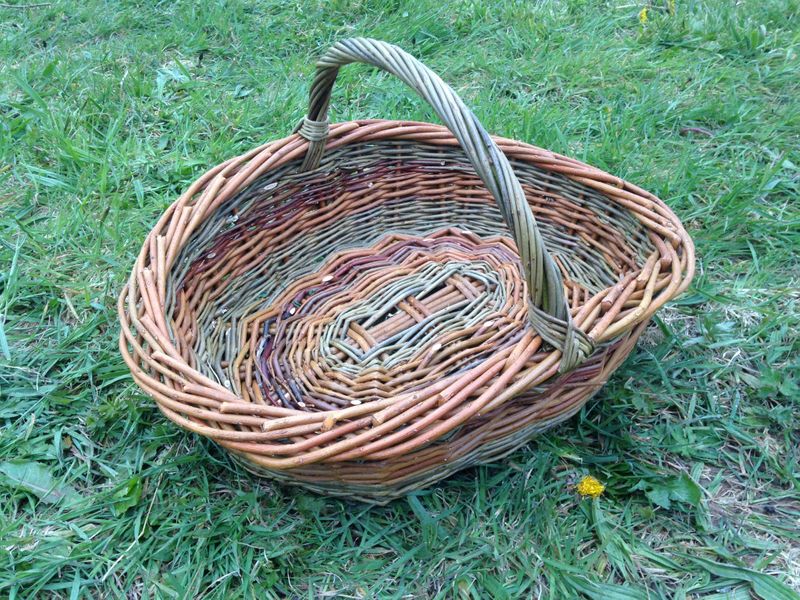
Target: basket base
{"points": [[375, 323]]}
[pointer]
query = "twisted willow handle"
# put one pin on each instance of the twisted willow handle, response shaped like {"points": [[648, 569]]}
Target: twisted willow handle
{"points": [[548, 309]]}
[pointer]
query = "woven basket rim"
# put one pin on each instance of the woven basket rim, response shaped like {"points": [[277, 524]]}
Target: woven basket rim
{"points": [[292, 148]]}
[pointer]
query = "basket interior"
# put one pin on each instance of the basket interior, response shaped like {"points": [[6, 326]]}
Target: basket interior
{"points": [[385, 269]]}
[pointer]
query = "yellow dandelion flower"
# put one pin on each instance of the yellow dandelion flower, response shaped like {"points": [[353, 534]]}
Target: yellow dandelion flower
{"points": [[590, 486], [643, 16]]}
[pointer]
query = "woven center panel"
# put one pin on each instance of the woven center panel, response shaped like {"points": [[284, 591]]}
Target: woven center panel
{"points": [[376, 322], [260, 247]]}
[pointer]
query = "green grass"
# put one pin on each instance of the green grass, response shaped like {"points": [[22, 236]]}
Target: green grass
{"points": [[109, 109]]}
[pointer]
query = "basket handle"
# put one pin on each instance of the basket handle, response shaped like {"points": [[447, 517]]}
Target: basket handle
{"points": [[548, 309]]}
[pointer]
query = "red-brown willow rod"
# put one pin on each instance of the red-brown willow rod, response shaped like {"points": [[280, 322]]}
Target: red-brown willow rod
{"points": [[367, 307]]}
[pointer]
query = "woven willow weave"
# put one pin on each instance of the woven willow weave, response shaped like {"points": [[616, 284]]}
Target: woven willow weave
{"points": [[365, 308]]}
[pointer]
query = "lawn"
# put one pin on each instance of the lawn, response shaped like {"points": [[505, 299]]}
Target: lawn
{"points": [[108, 110]]}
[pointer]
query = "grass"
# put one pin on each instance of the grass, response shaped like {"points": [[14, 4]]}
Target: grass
{"points": [[109, 109]]}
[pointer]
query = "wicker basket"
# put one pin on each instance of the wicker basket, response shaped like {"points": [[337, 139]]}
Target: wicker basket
{"points": [[366, 308]]}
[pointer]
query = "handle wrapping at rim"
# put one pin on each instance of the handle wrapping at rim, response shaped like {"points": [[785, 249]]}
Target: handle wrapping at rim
{"points": [[548, 309]]}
